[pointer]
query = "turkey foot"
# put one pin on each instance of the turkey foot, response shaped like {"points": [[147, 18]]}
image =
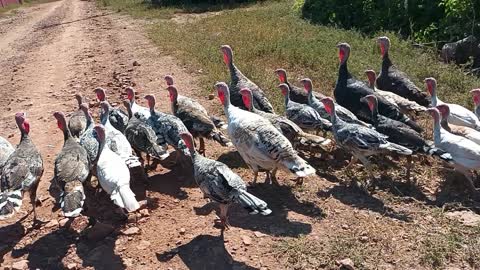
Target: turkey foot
{"points": [[223, 218]]}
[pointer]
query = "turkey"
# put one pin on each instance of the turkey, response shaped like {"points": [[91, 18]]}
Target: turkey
{"points": [[259, 143], [116, 141], [298, 138], [402, 134], [6, 149], [348, 92], [195, 118], [142, 137], [465, 153], [476, 101], [118, 118], [113, 174], [459, 115], [303, 115], [315, 103], [222, 185], [22, 172], [219, 123], [393, 80], [87, 139], [167, 127], [360, 141], [297, 94], [77, 122], [406, 106], [71, 170], [462, 131], [239, 81], [144, 111]]}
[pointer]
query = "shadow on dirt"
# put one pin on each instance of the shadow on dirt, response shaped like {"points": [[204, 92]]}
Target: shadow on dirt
{"points": [[281, 201], [204, 252]]}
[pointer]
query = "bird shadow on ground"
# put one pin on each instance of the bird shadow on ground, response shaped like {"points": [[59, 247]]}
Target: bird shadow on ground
{"points": [[49, 250], [10, 236], [358, 199], [453, 193], [232, 159], [401, 189], [281, 201], [204, 252], [171, 184]]}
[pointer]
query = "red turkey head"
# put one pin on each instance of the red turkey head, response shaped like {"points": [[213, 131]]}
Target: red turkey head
{"points": [[384, 43], [151, 101], [172, 91], [476, 96], [307, 84], [431, 85], [282, 75], [247, 98], [100, 92], [329, 105], [169, 79], [22, 122], [285, 89], [100, 130], [444, 110], [343, 52], [222, 91], [188, 139], [227, 54], [372, 76], [130, 93], [61, 122], [371, 101]]}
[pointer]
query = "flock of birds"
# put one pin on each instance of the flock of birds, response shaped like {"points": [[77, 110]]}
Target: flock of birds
{"points": [[365, 121]]}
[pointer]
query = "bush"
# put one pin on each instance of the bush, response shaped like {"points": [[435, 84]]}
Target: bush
{"points": [[197, 2], [422, 20]]}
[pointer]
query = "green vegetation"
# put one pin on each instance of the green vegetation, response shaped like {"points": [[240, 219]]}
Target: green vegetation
{"points": [[424, 20], [26, 3], [269, 35]]}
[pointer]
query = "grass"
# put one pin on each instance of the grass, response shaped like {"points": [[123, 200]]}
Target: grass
{"points": [[269, 35]]}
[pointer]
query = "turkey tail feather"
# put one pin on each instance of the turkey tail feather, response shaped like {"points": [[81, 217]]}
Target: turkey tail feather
{"points": [[219, 123], [396, 148], [125, 198], [433, 151], [253, 204], [220, 138], [306, 140]]}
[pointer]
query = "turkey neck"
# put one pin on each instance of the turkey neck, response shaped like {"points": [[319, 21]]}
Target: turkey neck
{"points": [[234, 72], [287, 98], [386, 63], [436, 129], [444, 124], [343, 74], [375, 113], [66, 131], [101, 145]]}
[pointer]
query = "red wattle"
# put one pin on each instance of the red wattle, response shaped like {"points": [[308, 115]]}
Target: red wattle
{"points": [[341, 55]]}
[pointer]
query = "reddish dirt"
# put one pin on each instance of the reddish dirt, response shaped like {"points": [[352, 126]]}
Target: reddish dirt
{"points": [[51, 51]]}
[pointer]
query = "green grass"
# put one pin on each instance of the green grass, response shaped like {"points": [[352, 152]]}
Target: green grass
{"points": [[270, 35]]}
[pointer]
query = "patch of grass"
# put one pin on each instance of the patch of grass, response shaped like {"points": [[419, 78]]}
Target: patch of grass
{"points": [[139, 8], [26, 3], [269, 35]]}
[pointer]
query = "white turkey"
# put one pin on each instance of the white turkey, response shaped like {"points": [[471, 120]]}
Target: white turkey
{"points": [[459, 115], [72, 168], [6, 149], [118, 118], [465, 153], [222, 185], [116, 140], [462, 131], [113, 174], [259, 143], [21, 173]]}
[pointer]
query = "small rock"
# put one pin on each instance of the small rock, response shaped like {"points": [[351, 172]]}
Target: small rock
{"points": [[176, 201], [143, 245], [346, 264], [52, 223], [131, 231], [127, 262], [211, 96], [63, 222], [182, 231], [71, 266], [144, 212], [364, 239], [136, 64], [259, 234], [345, 226], [79, 224], [179, 242], [247, 241], [20, 265]]}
